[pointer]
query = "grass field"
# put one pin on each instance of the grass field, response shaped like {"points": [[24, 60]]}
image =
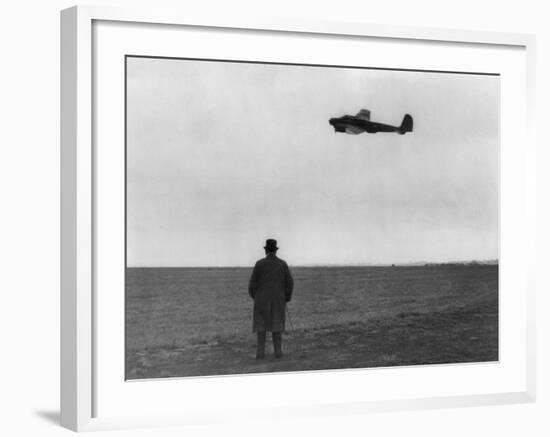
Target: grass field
{"points": [[198, 321]]}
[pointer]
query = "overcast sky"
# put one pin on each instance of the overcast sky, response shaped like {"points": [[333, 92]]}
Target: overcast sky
{"points": [[221, 156]]}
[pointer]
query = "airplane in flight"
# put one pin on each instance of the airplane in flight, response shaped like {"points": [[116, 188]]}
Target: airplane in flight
{"points": [[356, 124]]}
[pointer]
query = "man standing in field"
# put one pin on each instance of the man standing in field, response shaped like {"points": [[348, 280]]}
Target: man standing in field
{"points": [[271, 288]]}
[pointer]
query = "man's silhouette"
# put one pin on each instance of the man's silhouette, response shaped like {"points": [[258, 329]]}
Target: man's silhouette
{"points": [[271, 288]]}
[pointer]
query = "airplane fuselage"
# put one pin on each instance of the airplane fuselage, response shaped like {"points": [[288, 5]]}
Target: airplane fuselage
{"points": [[355, 125]]}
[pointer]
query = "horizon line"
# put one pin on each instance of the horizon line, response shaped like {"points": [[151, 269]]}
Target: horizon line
{"points": [[488, 261]]}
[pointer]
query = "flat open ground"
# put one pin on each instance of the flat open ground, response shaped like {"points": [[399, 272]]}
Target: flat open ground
{"points": [[197, 321]]}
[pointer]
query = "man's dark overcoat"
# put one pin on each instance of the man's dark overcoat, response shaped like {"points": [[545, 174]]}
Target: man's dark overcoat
{"points": [[271, 287]]}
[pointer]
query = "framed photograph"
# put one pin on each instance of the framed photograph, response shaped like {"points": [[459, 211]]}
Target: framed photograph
{"points": [[339, 215]]}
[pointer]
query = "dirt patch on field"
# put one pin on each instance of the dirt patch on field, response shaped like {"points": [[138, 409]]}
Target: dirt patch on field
{"points": [[456, 335]]}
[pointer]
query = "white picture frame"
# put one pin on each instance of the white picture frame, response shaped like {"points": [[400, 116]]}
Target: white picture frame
{"points": [[79, 344]]}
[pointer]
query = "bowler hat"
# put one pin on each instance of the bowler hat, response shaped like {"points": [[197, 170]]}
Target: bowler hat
{"points": [[271, 245]]}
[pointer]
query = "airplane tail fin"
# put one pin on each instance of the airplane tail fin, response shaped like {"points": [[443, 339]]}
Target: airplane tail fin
{"points": [[406, 125]]}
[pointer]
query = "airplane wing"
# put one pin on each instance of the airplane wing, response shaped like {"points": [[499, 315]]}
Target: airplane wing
{"points": [[364, 114], [354, 130]]}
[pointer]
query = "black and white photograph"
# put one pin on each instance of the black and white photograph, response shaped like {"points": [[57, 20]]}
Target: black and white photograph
{"points": [[292, 217], [285, 218]]}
